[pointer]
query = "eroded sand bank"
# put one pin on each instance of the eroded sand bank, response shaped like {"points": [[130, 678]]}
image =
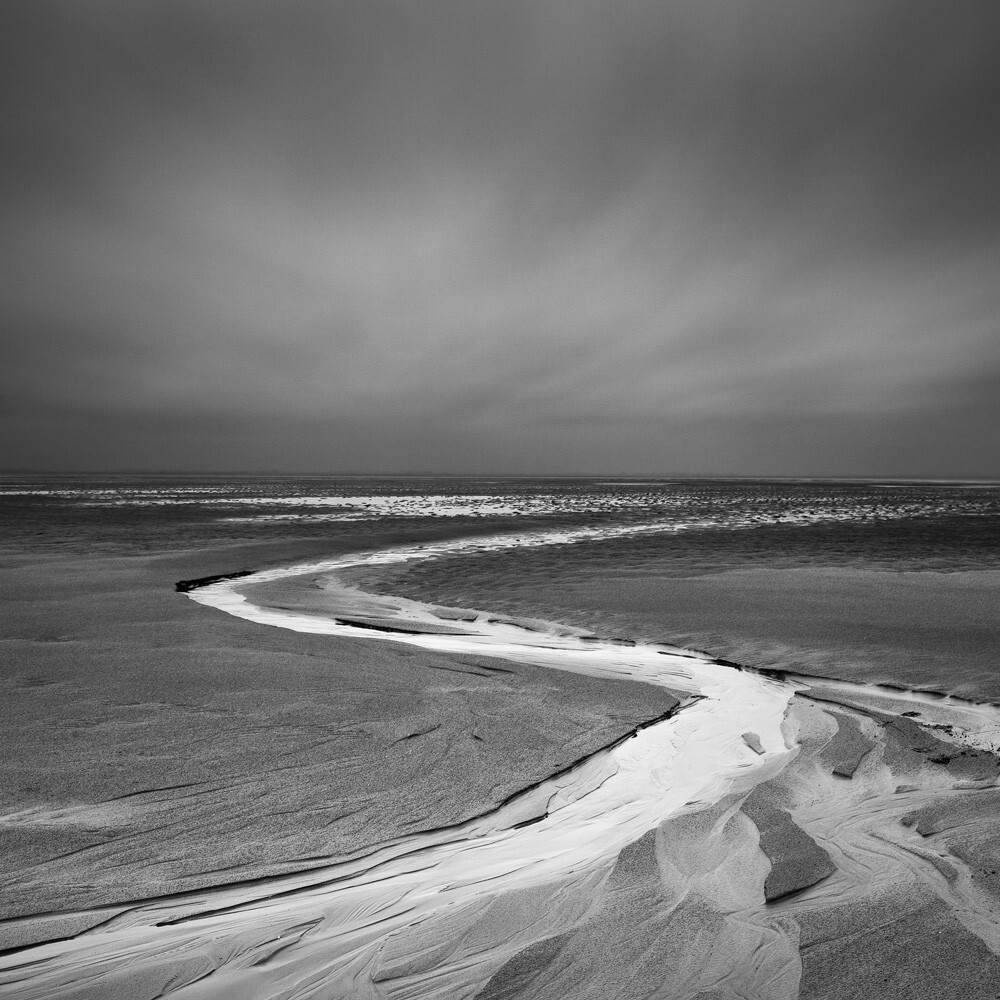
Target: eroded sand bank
{"points": [[773, 837]]}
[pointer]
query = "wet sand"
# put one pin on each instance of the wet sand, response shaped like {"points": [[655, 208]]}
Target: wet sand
{"points": [[925, 629], [853, 854], [148, 747]]}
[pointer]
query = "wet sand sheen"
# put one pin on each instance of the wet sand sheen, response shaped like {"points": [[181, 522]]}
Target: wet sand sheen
{"points": [[695, 838]]}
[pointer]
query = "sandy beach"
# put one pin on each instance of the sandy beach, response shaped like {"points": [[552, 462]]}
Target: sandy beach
{"points": [[759, 835], [149, 747]]}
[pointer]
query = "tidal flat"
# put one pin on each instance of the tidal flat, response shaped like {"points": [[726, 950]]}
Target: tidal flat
{"points": [[312, 776], [149, 747]]}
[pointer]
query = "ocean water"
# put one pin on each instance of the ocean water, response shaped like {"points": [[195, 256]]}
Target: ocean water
{"points": [[889, 581], [725, 523]]}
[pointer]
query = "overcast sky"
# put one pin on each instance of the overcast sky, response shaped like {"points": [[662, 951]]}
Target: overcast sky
{"points": [[653, 237]]}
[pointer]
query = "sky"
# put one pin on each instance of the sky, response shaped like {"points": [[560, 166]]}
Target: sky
{"points": [[703, 237]]}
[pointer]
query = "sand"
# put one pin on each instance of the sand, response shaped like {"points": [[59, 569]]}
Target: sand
{"points": [[147, 747], [768, 837], [924, 629]]}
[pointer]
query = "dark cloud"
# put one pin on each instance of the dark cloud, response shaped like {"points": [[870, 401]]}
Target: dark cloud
{"points": [[745, 237]]}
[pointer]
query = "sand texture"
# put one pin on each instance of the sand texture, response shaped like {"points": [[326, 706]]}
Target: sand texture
{"points": [[917, 629], [148, 747], [495, 832]]}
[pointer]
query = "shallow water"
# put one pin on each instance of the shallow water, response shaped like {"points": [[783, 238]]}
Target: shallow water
{"points": [[890, 581]]}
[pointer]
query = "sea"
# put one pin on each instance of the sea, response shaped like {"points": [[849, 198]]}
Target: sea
{"points": [[879, 580]]}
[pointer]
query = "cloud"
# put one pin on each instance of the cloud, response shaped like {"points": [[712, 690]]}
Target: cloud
{"points": [[685, 236]]}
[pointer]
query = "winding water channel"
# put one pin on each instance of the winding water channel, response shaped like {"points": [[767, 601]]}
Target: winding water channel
{"points": [[381, 925]]}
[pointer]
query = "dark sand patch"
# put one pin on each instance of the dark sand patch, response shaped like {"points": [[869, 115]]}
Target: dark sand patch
{"points": [[910, 742], [20, 932], [520, 972], [848, 747], [908, 745], [797, 861], [903, 946], [955, 812], [979, 848]]}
